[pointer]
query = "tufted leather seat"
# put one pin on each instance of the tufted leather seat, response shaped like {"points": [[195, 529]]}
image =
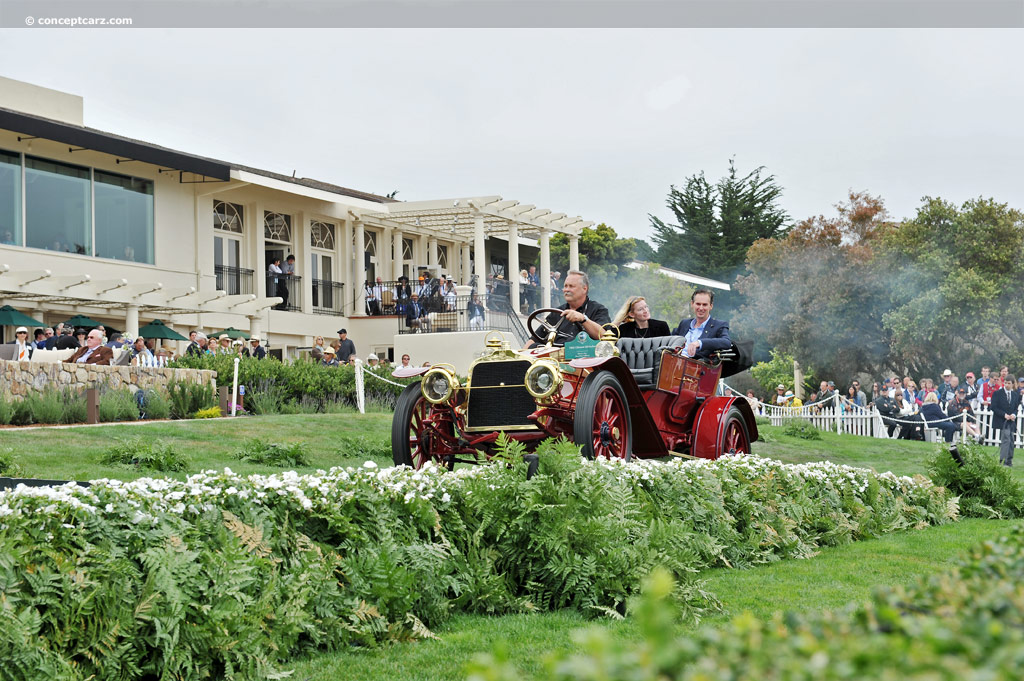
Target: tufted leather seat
{"points": [[643, 355]]}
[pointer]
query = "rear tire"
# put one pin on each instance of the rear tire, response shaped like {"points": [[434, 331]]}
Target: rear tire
{"points": [[735, 435], [601, 423]]}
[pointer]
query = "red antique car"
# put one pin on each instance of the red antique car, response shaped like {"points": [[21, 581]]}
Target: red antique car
{"points": [[615, 397]]}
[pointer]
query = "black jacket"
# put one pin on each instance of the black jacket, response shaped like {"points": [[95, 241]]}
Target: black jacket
{"points": [[655, 328], [1003, 406]]}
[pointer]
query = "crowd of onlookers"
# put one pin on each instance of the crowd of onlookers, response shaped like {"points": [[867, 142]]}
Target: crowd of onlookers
{"points": [[904, 404]]}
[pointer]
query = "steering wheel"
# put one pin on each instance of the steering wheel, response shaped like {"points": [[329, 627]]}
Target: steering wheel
{"points": [[535, 320]]}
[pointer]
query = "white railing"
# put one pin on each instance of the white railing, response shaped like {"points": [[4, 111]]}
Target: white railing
{"points": [[839, 415]]}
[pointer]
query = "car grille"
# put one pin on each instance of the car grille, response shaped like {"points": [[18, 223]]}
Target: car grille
{"points": [[492, 405]]}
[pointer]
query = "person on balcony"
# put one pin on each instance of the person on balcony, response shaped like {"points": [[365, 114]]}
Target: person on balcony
{"points": [[373, 297], [475, 311], [403, 293], [416, 315], [451, 296], [275, 280]]}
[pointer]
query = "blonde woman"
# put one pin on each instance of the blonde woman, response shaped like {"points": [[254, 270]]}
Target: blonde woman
{"points": [[634, 320], [317, 351]]}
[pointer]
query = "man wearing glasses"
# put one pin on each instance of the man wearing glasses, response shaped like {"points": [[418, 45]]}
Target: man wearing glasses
{"points": [[93, 352]]}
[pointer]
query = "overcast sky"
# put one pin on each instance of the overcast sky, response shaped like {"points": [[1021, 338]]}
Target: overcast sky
{"points": [[596, 123]]}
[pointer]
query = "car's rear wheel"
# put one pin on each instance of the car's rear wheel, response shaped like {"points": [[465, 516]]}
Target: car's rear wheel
{"points": [[411, 437], [601, 424], [735, 436]]}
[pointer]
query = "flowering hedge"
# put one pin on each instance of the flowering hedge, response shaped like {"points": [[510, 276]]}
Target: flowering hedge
{"points": [[227, 575]]}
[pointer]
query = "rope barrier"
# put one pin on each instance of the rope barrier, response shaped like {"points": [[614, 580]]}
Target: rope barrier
{"points": [[367, 372]]}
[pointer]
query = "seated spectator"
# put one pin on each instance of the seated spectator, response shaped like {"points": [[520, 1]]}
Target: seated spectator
{"points": [[961, 404], [93, 351], [911, 423], [372, 360], [141, 355], [25, 348], [329, 358], [40, 338], [888, 410], [416, 315], [935, 418], [116, 341]]}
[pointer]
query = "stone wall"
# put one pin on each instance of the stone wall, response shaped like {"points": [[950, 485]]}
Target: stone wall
{"points": [[20, 378]]}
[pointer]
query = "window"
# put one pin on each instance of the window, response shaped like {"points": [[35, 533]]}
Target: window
{"points": [[10, 198], [58, 206], [321, 235], [124, 217], [442, 257], [277, 227], [227, 216]]}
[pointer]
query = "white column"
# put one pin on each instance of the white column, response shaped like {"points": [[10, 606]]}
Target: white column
{"points": [[384, 254], [302, 262], [131, 320], [478, 254], [574, 252], [396, 270], [360, 270], [466, 274], [256, 327], [259, 247], [432, 255], [347, 276], [545, 268], [513, 265]]}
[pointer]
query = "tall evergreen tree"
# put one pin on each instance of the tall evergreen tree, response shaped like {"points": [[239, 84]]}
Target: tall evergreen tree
{"points": [[716, 224]]}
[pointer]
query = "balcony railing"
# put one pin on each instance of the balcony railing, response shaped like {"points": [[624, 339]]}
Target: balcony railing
{"points": [[288, 287], [328, 297], [234, 280], [442, 315]]}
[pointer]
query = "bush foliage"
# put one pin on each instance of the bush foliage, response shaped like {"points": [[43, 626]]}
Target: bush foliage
{"points": [[155, 455], [274, 453], [966, 625], [987, 489], [222, 575], [799, 428]]}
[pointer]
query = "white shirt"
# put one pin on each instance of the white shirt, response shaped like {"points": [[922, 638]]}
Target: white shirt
{"points": [[22, 350]]}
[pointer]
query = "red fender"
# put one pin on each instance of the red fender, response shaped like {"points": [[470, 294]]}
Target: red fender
{"points": [[647, 440], [709, 425]]}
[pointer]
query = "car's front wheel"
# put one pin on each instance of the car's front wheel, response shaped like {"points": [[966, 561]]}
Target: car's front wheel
{"points": [[411, 432], [601, 424]]}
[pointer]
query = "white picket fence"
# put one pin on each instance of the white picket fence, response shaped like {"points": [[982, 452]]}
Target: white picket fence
{"points": [[839, 415]]}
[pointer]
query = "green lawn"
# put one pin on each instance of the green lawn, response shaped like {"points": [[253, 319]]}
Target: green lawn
{"points": [[74, 453], [830, 580]]}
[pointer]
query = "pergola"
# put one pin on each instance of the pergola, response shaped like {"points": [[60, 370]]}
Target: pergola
{"points": [[24, 288], [473, 219]]}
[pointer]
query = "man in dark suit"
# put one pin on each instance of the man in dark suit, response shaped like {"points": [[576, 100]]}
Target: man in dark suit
{"points": [[1005, 403], [416, 314], [93, 352], [703, 333]]}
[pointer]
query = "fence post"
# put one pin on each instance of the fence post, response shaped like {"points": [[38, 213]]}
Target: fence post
{"points": [[234, 388], [360, 394], [835, 412], [92, 405], [222, 393]]}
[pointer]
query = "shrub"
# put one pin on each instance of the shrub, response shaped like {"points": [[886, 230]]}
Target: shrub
{"points": [[6, 409], [46, 406], [987, 489], [208, 413], [187, 398], [9, 466], [155, 404], [118, 405], [266, 397], [805, 430], [274, 453], [152, 454], [75, 406], [21, 412], [361, 445]]}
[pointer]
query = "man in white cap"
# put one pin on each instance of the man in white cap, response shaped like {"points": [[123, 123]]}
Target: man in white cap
{"points": [[780, 395], [373, 360], [24, 351], [257, 350]]}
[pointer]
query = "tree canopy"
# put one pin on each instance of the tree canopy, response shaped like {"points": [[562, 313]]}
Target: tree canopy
{"points": [[602, 251], [860, 293]]}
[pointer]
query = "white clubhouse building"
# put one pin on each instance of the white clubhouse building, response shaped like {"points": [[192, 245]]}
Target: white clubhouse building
{"points": [[125, 232]]}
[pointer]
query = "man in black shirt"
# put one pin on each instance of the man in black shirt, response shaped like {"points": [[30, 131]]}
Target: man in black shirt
{"points": [[579, 313]]}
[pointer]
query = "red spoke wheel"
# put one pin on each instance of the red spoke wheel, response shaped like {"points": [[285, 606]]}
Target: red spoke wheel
{"points": [[601, 424], [735, 437], [412, 438]]}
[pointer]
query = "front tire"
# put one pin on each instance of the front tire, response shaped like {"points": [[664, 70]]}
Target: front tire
{"points": [[602, 424], [410, 439]]}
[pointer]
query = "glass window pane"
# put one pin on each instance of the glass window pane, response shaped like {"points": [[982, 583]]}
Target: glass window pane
{"points": [[10, 198], [124, 217], [328, 273], [234, 250], [218, 251], [58, 206]]}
